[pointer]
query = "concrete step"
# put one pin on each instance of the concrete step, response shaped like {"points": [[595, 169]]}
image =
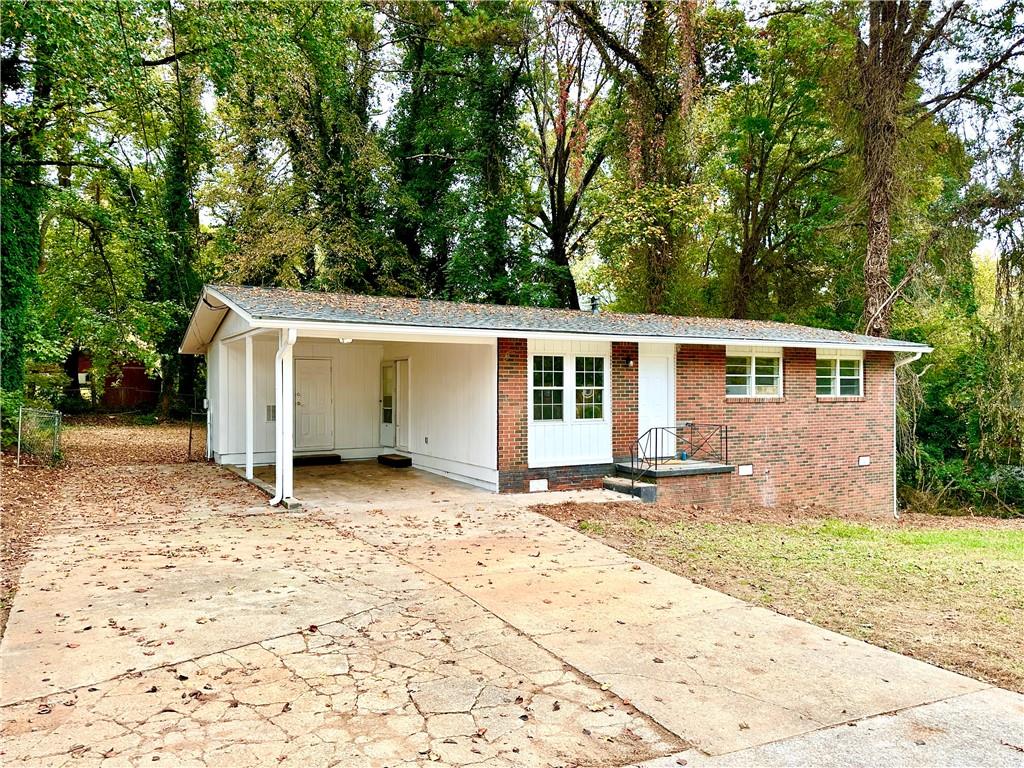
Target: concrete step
{"points": [[646, 492], [673, 468]]}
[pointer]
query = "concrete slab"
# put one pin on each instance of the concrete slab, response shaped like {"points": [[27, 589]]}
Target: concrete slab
{"points": [[984, 728], [91, 607], [720, 673]]}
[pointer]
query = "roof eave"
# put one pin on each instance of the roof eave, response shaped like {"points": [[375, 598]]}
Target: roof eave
{"points": [[195, 342], [354, 328]]}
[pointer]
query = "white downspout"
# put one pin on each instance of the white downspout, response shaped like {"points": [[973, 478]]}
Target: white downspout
{"points": [[285, 342], [900, 362]]}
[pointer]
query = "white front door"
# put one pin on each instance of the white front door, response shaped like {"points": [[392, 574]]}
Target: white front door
{"points": [[656, 408], [402, 404], [387, 405], [314, 405]]}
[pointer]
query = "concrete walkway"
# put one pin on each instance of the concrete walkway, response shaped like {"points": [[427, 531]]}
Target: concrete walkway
{"points": [[423, 622]]}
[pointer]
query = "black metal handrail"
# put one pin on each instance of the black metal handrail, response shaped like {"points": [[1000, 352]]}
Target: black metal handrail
{"points": [[706, 442]]}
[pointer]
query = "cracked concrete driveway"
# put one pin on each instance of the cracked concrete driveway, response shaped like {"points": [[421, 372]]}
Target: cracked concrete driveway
{"points": [[414, 621]]}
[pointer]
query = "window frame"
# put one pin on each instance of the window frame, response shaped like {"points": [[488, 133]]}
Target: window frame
{"points": [[751, 355], [534, 388], [576, 387], [835, 358], [568, 388]]}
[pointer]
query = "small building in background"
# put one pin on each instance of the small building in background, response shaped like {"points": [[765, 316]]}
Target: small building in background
{"points": [[126, 387]]}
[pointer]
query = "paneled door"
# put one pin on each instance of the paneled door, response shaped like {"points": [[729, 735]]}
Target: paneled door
{"points": [[314, 405], [655, 406]]}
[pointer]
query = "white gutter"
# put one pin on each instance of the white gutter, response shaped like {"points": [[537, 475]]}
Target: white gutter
{"points": [[899, 363], [285, 343]]}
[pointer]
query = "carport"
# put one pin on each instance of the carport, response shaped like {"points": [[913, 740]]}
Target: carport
{"points": [[283, 386]]}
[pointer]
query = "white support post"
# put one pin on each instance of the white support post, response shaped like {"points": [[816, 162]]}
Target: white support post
{"points": [[287, 427], [249, 396], [284, 397], [278, 416]]}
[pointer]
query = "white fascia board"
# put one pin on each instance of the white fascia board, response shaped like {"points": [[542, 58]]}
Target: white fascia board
{"points": [[381, 330], [191, 329], [230, 304]]}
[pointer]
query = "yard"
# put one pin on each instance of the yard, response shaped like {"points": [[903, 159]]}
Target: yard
{"points": [[949, 591], [162, 612]]}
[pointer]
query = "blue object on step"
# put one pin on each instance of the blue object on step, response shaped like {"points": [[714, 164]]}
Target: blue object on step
{"points": [[682, 456]]}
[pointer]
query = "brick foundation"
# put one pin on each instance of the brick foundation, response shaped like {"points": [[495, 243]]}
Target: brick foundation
{"points": [[804, 450], [570, 478], [712, 492]]}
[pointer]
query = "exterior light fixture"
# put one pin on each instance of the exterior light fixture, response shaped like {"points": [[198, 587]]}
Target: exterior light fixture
{"points": [[345, 341]]}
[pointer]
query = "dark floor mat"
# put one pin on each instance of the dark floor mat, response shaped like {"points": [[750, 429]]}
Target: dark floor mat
{"points": [[317, 461]]}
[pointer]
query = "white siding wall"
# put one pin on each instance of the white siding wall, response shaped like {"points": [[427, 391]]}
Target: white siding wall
{"points": [[453, 400], [355, 369], [213, 367], [567, 442]]}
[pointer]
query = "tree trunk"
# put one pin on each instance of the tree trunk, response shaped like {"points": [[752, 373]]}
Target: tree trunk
{"points": [[562, 280], [73, 389], [20, 249], [879, 134], [744, 281]]}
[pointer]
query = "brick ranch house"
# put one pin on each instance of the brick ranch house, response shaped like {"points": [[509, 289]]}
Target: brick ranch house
{"points": [[701, 410]]}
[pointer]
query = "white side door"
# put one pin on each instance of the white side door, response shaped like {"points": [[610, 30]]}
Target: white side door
{"points": [[314, 405], [387, 405], [655, 407], [402, 404]]}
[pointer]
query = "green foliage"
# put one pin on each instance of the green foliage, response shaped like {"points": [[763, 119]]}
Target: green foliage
{"points": [[10, 402], [670, 157]]}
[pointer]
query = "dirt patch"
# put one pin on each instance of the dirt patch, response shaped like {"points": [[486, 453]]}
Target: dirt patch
{"points": [[117, 441], [948, 590], [111, 474]]}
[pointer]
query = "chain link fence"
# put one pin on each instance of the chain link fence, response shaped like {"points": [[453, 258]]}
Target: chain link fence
{"points": [[38, 436]]}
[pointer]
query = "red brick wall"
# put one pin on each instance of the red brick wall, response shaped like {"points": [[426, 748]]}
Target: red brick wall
{"points": [[625, 393], [804, 449], [512, 407]]}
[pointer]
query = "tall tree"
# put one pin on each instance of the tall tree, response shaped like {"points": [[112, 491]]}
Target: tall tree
{"points": [[566, 85], [897, 45], [658, 69], [781, 162]]}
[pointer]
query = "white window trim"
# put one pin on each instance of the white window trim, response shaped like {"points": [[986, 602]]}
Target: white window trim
{"points": [[529, 403], [834, 356], [605, 374], [750, 353], [569, 388]]}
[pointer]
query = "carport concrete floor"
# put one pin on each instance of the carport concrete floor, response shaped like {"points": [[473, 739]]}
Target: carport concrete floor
{"points": [[401, 619]]}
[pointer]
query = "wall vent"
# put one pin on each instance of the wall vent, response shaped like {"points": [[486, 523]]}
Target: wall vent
{"points": [[271, 413]]}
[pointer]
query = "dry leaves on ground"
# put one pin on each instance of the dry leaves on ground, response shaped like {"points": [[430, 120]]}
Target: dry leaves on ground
{"points": [[111, 473]]}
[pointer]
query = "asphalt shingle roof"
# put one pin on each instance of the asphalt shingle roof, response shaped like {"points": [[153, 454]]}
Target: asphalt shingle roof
{"points": [[284, 304]]}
